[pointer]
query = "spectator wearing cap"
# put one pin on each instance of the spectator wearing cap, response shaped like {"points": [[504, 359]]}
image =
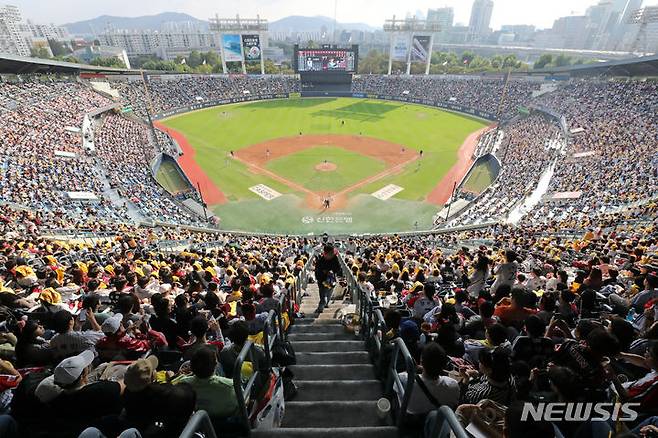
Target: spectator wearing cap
{"points": [[155, 409], [118, 345], [69, 342], [74, 402]]}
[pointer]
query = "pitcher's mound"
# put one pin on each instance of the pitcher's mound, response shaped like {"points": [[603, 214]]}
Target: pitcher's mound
{"points": [[326, 167]]}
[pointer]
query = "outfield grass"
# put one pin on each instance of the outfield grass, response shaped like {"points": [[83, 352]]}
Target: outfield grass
{"points": [[300, 168], [215, 131]]}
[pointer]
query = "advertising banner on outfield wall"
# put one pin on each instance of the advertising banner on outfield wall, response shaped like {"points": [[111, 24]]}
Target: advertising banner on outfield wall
{"points": [[231, 47], [400, 47], [420, 48], [251, 47]]}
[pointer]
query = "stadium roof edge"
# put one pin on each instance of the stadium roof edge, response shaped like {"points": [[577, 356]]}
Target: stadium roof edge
{"points": [[12, 64], [641, 66]]}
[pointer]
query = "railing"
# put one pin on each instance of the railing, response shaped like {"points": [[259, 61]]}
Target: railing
{"points": [[400, 394], [446, 425], [271, 334], [199, 423], [243, 393]]}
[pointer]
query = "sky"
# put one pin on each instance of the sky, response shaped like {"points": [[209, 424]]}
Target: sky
{"points": [[541, 13]]}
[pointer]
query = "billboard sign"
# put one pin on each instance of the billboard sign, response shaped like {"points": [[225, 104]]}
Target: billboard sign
{"points": [[420, 48], [232, 48], [321, 60], [400, 47], [251, 47]]}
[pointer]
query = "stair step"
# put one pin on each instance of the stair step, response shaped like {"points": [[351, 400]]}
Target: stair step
{"points": [[308, 319], [324, 328], [335, 346], [333, 358], [344, 336], [334, 372], [326, 432], [332, 413], [332, 390]]}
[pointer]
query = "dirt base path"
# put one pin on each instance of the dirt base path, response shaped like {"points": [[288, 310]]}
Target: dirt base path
{"points": [[211, 193], [394, 155], [443, 189]]}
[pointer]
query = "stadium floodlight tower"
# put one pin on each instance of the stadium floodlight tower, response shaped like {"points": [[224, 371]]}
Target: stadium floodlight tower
{"points": [[643, 17], [241, 40], [411, 40]]}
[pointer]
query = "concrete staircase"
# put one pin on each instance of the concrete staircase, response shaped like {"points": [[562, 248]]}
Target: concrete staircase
{"points": [[337, 388]]}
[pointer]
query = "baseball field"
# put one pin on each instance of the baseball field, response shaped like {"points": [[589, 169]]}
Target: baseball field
{"points": [[314, 165]]}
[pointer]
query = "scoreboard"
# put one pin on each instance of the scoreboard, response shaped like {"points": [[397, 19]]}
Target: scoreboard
{"points": [[326, 59]]}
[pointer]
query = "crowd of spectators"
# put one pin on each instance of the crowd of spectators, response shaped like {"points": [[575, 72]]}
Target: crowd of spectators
{"points": [[530, 145], [37, 120], [125, 148], [615, 126], [166, 95], [483, 94], [43, 157], [520, 315], [116, 335]]}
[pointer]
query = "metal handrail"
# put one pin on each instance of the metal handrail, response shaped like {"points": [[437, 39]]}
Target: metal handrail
{"points": [[243, 393], [394, 384], [199, 422], [271, 333], [446, 424]]}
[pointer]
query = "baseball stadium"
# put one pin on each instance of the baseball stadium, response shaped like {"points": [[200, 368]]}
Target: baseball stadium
{"points": [[327, 251], [270, 166]]}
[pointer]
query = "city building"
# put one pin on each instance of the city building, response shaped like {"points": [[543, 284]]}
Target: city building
{"points": [[19, 38], [11, 40], [480, 18], [166, 45], [445, 16], [523, 33]]}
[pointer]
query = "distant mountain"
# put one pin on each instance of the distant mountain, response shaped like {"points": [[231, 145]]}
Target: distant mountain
{"points": [[155, 22], [299, 23], [146, 22]]}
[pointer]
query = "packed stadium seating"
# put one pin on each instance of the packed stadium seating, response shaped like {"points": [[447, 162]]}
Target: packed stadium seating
{"points": [[110, 323]]}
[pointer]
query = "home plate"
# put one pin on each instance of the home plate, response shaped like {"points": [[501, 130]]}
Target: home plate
{"points": [[265, 192], [387, 192]]}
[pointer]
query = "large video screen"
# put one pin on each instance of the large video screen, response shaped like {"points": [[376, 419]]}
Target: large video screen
{"points": [[326, 60]]}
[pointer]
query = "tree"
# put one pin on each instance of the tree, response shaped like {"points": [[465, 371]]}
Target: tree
{"points": [[467, 57], [39, 52], [108, 62], [194, 60], [543, 61], [374, 62], [212, 58], [510, 61], [562, 60], [69, 58]]}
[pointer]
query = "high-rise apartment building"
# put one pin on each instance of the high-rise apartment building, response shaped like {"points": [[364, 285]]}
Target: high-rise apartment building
{"points": [[480, 18]]}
